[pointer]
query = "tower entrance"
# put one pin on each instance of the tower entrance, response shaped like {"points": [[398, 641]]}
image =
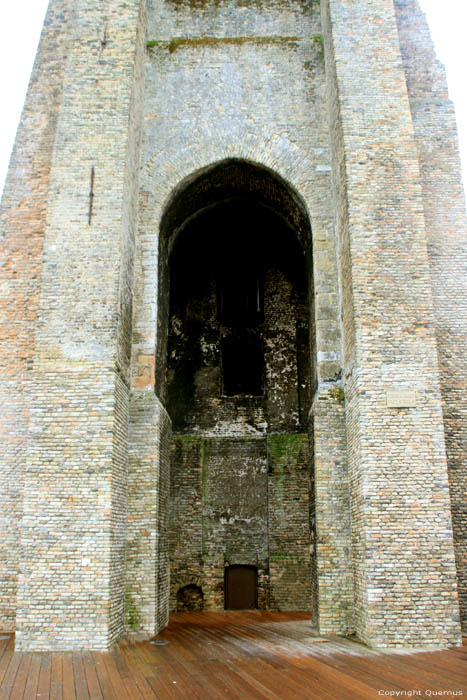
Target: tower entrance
{"points": [[237, 384]]}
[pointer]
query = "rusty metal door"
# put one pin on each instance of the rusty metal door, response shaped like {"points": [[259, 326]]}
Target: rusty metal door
{"points": [[241, 588]]}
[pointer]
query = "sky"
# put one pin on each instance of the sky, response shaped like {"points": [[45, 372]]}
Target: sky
{"points": [[21, 22]]}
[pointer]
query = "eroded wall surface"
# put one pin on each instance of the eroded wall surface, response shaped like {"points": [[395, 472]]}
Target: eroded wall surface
{"points": [[86, 440], [445, 220], [246, 82], [72, 536], [239, 401], [23, 216], [399, 490]]}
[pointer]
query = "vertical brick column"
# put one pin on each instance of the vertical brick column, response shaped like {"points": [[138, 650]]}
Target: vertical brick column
{"points": [[404, 571], [332, 581], [147, 548], [446, 224], [70, 592], [22, 225]]}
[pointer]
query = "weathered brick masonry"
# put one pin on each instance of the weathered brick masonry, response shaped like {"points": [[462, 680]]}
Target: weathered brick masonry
{"points": [[399, 490], [444, 205], [233, 322], [23, 214], [71, 565], [240, 462]]}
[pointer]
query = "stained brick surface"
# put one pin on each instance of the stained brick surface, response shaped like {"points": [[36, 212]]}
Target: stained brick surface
{"points": [[399, 491], [444, 205], [141, 114], [23, 214]]}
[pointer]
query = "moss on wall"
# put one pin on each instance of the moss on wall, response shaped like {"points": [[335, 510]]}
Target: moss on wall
{"points": [[285, 449], [132, 613], [337, 394], [203, 41]]}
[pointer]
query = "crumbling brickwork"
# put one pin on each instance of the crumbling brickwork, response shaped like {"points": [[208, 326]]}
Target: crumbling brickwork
{"points": [[444, 206], [70, 587], [248, 502], [23, 215], [397, 461], [174, 157], [234, 378], [289, 521]]}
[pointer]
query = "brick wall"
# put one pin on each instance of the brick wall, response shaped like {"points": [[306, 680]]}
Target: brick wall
{"points": [[446, 226], [289, 521], [90, 218], [238, 498], [331, 547], [241, 501], [148, 463], [397, 466], [22, 221], [73, 532]]}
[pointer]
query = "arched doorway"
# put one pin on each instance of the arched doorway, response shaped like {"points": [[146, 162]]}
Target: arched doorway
{"points": [[235, 373]]}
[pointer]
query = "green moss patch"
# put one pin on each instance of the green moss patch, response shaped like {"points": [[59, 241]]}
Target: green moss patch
{"points": [[285, 449], [337, 394], [203, 41], [132, 614]]}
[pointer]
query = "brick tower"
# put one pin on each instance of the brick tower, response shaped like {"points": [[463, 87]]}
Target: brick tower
{"points": [[233, 276]]}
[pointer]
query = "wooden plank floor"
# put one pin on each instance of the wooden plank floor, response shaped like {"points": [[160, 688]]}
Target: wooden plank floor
{"points": [[234, 656]]}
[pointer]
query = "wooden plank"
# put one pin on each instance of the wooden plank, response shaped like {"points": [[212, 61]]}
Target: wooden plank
{"points": [[350, 677], [56, 677], [230, 656], [272, 678], [430, 667], [10, 676], [137, 672], [385, 671], [335, 684], [282, 652], [19, 685], [160, 688], [125, 674], [396, 672], [116, 681], [184, 645], [90, 673], [271, 695], [6, 658], [205, 645], [81, 685], [32, 683], [198, 680], [68, 677], [217, 683], [247, 645], [103, 676], [315, 685], [6, 644], [202, 674], [43, 686], [246, 688], [157, 674], [170, 676]]}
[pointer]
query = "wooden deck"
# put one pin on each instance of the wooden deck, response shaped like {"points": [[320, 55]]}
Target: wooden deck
{"points": [[234, 656]]}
